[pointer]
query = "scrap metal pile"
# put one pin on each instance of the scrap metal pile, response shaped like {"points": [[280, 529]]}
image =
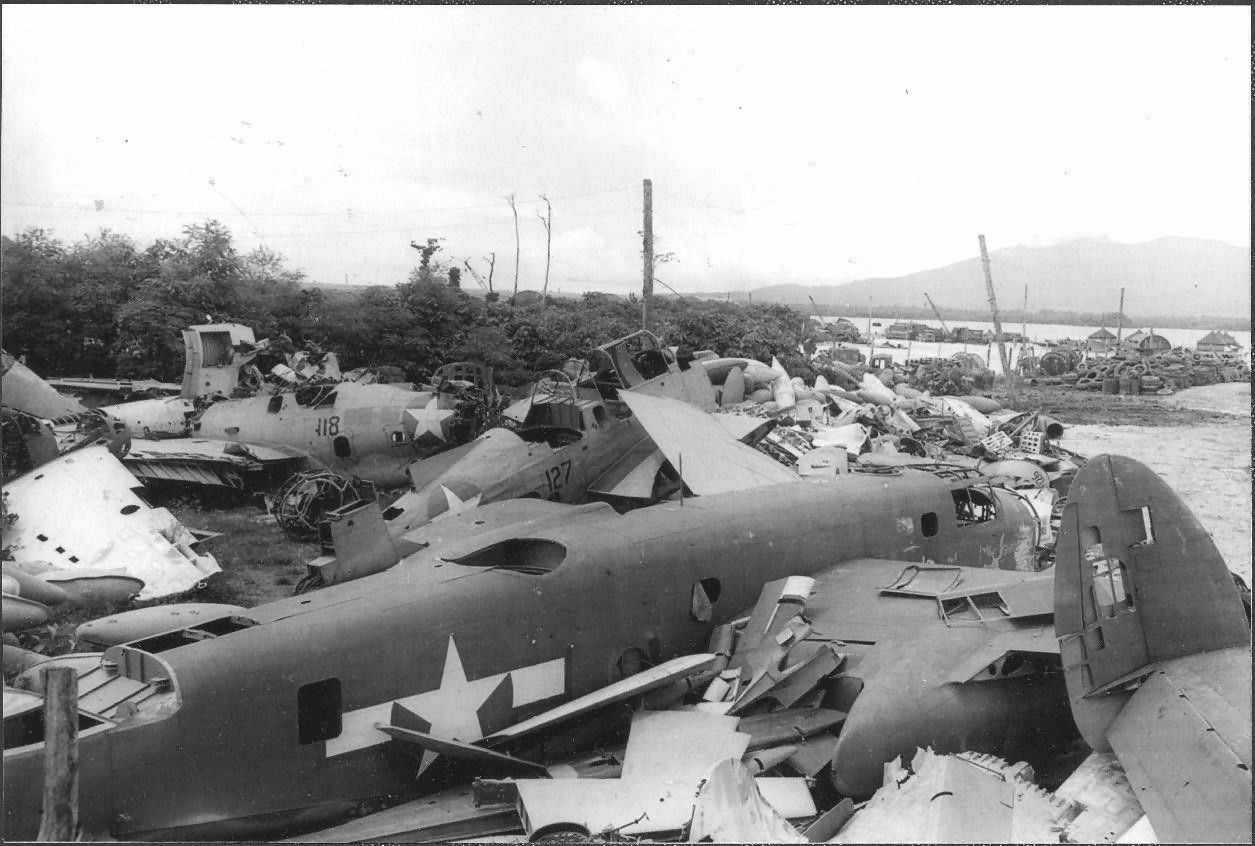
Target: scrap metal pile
{"points": [[669, 598], [875, 426]]}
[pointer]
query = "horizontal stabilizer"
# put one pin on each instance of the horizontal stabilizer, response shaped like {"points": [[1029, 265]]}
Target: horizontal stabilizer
{"points": [[642, 682], [708, 458], [495, 762], [632, 474], [1187, 751]]}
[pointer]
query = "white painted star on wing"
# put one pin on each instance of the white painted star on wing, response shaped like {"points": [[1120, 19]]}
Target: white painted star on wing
{"points": [[456, 505]]}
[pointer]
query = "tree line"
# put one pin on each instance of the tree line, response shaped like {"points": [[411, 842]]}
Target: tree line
{"points": [[106, 307]]}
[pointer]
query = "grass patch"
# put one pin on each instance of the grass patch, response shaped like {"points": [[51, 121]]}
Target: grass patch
{"points": [[259, 562]]}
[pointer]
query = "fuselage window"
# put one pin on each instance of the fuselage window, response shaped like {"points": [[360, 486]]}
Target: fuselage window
{"points": [[342, 447], [973, 505], [928, 524], [318, 710], [276, 403]]}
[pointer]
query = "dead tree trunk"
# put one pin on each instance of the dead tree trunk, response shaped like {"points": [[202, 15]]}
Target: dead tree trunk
{"points": [[547, 219], [514, 209]]}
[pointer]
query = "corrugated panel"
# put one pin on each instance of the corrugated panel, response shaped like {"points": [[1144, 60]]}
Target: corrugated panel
{"points": [[177, 473]]}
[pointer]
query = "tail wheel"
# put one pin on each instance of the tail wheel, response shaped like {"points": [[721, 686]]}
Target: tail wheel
{"points": [[305, 498]]}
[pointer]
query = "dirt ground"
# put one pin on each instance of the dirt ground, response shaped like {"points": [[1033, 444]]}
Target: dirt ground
{"points": [[1198, 440]]}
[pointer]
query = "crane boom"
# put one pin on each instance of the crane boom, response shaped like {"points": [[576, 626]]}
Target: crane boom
{"points": [[933, 305]]}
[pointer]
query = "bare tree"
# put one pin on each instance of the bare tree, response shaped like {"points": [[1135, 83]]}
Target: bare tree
{"points": [[491, 258], [547, 220], [513, 208]]}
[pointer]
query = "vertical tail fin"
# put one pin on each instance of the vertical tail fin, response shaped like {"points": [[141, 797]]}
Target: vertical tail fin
{"points": [[1137, 581]]}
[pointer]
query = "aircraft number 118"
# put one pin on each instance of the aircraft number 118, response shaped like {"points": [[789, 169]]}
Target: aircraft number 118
{"points": [[328, 426]]}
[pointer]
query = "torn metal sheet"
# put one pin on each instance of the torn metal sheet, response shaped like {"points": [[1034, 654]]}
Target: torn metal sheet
{"points": [[964, 798], [111, 529], [668, 755], [825, 827], [1101, 787], [730, 808], [824, 461]]}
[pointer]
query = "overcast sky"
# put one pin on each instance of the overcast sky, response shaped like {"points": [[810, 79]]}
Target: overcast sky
{"points": [[785, 144]]}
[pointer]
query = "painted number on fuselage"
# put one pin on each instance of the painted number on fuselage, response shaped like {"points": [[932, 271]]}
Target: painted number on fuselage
{"points": [[327, 426], [557, 477]]}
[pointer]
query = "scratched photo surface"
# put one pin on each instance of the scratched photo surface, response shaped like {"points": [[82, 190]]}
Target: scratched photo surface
{"points": [[755, 424]]}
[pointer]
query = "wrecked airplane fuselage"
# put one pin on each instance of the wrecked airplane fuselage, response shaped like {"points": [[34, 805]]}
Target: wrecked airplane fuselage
{"points": [[356, 430], [509, 609]]}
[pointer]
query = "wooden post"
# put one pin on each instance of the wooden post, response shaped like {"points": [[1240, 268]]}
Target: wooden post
{"points": [[993, 307], [60, 809], [647, 234], [1120, 319], [871, 339], [1023, 328]]}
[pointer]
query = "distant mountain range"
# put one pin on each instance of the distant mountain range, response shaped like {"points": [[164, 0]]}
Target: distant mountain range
{"points": [[1167, 276]]}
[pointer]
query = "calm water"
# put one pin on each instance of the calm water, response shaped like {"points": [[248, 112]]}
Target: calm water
{"points": [[1037, 332]]}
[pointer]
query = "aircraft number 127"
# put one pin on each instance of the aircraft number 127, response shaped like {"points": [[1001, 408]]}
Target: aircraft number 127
{"points": [[557, 476]]}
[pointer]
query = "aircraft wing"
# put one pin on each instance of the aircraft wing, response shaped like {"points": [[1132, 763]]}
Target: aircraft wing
{"points": [[740, 425], [108, 526], [207, 462], [867, 600], [1184, 739], [24, 391], [708, 459]]}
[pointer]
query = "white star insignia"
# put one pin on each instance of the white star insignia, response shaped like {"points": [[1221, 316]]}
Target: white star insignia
{"points": [[456, 505]]}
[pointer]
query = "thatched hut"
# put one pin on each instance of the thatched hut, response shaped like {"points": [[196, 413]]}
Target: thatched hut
{"points": [[1217, 342], [1101, 340]]}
